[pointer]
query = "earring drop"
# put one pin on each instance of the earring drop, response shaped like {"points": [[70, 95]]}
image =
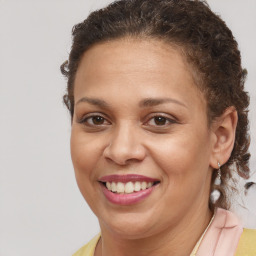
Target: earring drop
{"points": [[216, 193], [218, 178]]}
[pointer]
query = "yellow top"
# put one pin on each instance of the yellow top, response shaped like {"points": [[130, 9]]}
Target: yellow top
{"points": [[246, 246], [247, 243], [89, 248]]}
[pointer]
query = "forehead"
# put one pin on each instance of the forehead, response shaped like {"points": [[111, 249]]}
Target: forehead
{"points": [[135, 63], [129, 54]]}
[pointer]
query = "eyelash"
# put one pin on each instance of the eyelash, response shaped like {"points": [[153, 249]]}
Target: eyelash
{"points": [[168, 121], [85, 120]]}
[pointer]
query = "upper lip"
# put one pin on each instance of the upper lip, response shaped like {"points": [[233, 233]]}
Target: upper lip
{"points": [[126, 178]]}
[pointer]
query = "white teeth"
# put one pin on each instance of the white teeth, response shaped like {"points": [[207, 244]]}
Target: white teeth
{"points": [[113, 187], [137, 186], [150, 184], [108, 185], [120, 187], [143, 185], [128, 187]]}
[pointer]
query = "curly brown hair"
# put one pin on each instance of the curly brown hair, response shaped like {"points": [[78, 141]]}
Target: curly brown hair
{"points": [[209, 48]]}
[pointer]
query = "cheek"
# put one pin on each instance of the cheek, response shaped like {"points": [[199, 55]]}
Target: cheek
{"points": [[182, 155], [85, 154], [184, 163]]}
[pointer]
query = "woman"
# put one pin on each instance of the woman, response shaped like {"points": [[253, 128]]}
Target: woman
{"points": [[159, 122]]}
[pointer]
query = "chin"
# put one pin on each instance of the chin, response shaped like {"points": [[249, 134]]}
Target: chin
{"points": [[129, 226]]}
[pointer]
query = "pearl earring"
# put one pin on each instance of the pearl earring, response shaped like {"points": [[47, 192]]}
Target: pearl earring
{"points": [[216, 193]]}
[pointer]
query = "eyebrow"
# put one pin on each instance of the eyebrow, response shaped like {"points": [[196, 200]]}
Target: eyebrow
{"points": [[93, 101], [151, 102], [148, 102]]}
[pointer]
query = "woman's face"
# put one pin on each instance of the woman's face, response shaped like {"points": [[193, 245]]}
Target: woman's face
{"points": [[140, 128]]}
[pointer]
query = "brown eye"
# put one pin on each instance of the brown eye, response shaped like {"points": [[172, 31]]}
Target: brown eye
{"points": [[97, 120], [159, 120], [94, 121]]}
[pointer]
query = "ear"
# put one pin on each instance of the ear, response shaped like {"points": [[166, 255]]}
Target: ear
{"points": [[223, 137]]}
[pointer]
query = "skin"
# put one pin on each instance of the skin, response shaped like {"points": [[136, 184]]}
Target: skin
{"points": [[181, 152]]}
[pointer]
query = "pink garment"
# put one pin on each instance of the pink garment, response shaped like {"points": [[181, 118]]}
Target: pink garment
{"points": [[222, 237]]}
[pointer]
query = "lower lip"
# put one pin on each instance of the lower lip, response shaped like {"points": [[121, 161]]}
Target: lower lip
{"points": [[126, 199]]}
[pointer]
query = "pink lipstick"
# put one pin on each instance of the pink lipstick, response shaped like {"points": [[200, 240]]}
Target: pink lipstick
{"points": [[127, 189]]}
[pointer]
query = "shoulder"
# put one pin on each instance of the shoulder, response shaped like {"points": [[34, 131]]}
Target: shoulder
{"points": [[89, 248], [247, 243]]}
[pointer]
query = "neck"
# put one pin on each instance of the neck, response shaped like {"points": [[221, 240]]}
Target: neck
{"points": [[178, 240]]}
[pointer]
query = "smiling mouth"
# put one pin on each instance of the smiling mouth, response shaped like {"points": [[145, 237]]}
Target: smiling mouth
{"points": [[128, 187]]}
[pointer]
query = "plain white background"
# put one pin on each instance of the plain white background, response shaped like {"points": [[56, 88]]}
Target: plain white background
{"points": [[41, 209]]}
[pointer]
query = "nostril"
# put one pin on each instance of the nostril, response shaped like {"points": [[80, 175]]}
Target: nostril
{"points": [[123, 148]]}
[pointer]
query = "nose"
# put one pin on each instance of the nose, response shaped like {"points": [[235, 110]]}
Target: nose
{"points": [[124, 146]]}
